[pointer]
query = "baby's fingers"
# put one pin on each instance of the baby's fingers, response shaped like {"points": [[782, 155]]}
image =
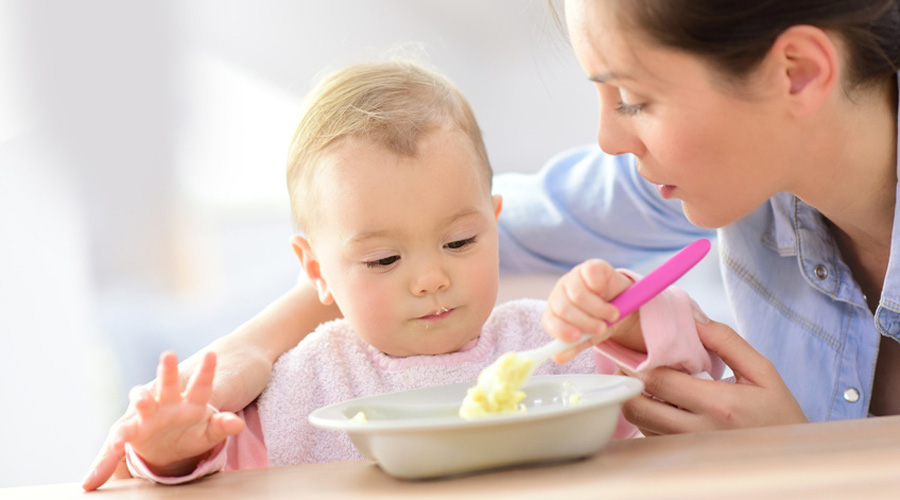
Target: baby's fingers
{"points": [[602, 279], [222, 425], [167, 377], [143, 402], [568, 354], [199, 388], [595, 286], [112, 453], [558, 328]]}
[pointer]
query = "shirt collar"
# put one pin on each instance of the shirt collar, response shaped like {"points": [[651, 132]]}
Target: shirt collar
{"points": [[781, 235], [888, 313], [797, 229]]}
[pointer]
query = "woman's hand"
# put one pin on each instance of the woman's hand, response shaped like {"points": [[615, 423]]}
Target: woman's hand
{"points": [[758, 397], [579, 303]]}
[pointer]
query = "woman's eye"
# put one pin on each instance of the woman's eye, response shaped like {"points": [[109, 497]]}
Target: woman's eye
{"points": [[629, 109], [456, 245], [383, 262]]}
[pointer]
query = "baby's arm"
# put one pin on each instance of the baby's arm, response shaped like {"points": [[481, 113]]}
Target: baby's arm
{"points": [[245, 359], [174, 431]]}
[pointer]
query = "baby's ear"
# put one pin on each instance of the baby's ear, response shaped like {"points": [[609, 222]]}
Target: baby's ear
{"points": [[310, 265]]}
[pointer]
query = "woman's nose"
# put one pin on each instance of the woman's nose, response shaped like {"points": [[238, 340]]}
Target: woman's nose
{"points": [[615, 133]]}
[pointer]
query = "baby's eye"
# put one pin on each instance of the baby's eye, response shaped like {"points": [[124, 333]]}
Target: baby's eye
{"points": [[456, 245], [382, 262]]}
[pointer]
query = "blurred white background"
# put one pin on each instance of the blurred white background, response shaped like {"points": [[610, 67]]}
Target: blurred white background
{"points": [[142, 198]]}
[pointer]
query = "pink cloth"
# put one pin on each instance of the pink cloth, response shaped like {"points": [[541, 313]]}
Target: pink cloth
{"points": [[670, 334], [333, 364]]}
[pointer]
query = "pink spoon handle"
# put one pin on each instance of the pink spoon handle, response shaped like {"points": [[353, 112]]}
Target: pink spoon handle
{"points": [[660, 278]]}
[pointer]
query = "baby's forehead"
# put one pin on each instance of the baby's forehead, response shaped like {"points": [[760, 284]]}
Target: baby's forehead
{"points": [[407, 151]]}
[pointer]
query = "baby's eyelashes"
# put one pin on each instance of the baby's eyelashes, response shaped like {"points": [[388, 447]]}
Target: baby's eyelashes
{"points": [[456, 245], [383, 262]]}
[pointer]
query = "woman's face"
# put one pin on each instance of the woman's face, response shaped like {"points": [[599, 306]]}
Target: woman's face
{"points": [[699, 141]]}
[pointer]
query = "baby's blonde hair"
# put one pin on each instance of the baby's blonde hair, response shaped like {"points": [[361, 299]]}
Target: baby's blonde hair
{"points": [[392, 104]]}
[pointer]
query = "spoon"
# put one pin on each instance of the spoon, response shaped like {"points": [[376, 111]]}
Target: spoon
{"points": [[498, 384]]}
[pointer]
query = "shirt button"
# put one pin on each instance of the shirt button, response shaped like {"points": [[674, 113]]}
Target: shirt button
{"points": [[821, 272], [851, 395]]}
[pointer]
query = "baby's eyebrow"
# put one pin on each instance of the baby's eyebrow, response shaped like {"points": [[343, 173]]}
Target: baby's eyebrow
{"points": [[386, 233], [368, 235], [465, 212]]}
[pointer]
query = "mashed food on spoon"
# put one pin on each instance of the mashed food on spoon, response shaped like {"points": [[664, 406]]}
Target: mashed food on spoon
{"points": [[498, 388]]}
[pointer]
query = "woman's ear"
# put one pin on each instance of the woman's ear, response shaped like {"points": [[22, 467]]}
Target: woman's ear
{"points": [[808, 67], [310, 265], [498, 205]]}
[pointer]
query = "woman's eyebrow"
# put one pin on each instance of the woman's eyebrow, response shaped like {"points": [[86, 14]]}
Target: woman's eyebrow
{"points": [[607, 76]]}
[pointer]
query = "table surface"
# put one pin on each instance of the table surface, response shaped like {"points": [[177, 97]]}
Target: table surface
{"points": [[847, 459]]}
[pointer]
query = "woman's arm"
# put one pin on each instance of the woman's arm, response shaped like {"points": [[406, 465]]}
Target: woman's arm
{"points": [[246, 355], [584, 204]]}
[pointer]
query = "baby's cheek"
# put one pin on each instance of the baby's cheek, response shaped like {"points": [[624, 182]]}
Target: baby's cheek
{"points": [[376, 302]]}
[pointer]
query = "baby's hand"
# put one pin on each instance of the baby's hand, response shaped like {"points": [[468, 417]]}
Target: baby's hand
{"points": [[174, 431], [579, 303]]}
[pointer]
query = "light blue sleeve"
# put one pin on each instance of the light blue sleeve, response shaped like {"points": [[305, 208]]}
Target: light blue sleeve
{"points": [[586, 204]]}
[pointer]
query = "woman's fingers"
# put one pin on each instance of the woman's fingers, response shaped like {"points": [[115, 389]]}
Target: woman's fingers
{"points": [[743, 359], [684, 391], [654, 417], [682, 403]]}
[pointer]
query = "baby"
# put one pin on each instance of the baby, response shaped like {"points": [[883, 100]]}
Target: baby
{"points": [[390, 186]]}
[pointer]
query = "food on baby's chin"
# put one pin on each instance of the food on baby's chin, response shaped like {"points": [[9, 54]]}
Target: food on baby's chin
{"points": [[360, 417], [498, 388]]}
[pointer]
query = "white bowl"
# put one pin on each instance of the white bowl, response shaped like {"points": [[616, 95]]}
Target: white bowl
{"points": [[418, 434]]}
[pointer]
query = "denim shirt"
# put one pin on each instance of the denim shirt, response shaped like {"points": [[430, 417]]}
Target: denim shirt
{"points": [[792, 296]]}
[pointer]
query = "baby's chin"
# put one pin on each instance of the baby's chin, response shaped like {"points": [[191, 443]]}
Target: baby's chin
{"points": [[430, 348]]}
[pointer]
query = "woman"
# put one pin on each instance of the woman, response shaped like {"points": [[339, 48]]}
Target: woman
{"points": [[774, 123]]}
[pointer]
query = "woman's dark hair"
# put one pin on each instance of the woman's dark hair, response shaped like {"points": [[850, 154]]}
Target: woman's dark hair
{"points": [[735, 35]]}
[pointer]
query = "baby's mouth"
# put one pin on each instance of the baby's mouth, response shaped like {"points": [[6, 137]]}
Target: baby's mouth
{"points": [[437, 314]]}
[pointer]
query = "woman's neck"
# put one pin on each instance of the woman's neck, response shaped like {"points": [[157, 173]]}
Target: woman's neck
{"points": [[852, 180]]}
